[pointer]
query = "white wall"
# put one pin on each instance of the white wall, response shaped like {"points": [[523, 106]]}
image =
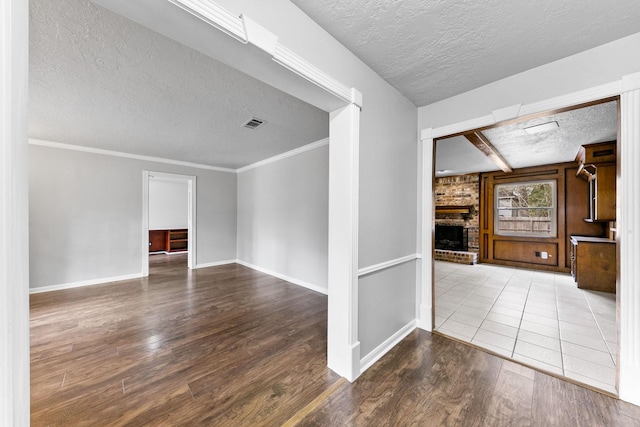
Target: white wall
{"points": [[86, 215], [393, 284], [168, 204], [283, 217], [384, 135], [388, 153]]}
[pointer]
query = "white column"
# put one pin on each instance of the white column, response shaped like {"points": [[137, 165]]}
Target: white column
{"points": [[343, 348], [14, 214], [628, 207], [425, 286]]}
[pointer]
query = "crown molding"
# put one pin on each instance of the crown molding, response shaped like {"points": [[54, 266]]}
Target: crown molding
{"points": [[574, 98], [630, 82], [294, 152], [62, 146], [467, 125], [506, 113], [295, 63], [246, 30], [259, 36], [214, 15], [567, 100]]}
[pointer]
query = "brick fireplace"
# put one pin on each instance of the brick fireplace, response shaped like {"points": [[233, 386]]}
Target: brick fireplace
{"points": [[457, 200]]}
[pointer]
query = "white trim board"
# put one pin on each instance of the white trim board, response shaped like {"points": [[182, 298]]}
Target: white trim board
{"points": [[386, 346], [387, 264], [14, 214], [282, 156], [82, 283], [287, 154], [191, 215], [568, 100], [293, 280], [216, 263], [104, 280], [62, 146], [216, 16]]}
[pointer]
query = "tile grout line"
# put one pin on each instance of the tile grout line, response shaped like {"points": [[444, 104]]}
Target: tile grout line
{"points": [[556, 299], [583, 374], [485, 316], [555, 291], [600, 329], [459, 305], [492, 305], [515, 341]]}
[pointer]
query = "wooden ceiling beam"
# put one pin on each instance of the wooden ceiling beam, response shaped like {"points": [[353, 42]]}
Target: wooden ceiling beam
{"points": [[482, 143]]}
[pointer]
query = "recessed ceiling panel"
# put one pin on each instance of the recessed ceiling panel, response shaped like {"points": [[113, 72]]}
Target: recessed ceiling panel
{"points": [[457, 156], [597, 123]]}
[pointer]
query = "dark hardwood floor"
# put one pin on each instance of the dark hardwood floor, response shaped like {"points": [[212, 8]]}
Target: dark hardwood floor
{"points": [[231, 346]]}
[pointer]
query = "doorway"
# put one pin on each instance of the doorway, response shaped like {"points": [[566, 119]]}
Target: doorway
{"points": [[523, 303], [168, 216]]}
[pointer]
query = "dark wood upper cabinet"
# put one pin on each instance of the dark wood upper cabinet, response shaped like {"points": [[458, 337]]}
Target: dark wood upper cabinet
{"points": [[597, 165]]}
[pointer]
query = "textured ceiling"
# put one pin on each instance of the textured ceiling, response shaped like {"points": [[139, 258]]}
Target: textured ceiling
{"points": [[99, 80], [456, 156], [584, 126], [588, 125], [434, 49]]}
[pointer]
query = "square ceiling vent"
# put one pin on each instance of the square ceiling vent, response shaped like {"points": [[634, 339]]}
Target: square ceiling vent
{"points": [[254, 123]]}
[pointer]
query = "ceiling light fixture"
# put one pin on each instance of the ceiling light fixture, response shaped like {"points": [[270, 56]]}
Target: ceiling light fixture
{"points": [[544, 127]]}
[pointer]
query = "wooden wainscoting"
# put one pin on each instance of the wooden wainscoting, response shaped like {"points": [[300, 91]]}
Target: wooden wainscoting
{"points": [[517, 251]]}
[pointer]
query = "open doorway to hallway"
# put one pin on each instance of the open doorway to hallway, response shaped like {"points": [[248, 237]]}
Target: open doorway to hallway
{"points": [[168, 217]]}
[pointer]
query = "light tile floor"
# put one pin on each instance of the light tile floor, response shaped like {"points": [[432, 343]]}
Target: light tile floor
{"points": [[539, 318]]}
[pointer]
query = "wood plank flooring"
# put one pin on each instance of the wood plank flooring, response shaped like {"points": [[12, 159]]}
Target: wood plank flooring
{"points": [[229, 346]]}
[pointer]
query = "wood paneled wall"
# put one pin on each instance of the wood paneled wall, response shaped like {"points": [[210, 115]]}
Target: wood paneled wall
{"points": [[520, 251]]}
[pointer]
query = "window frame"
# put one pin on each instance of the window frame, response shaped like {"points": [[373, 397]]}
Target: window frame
{"points": [[553, 234]]}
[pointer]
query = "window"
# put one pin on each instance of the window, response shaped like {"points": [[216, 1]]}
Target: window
{"points": [[525, 209]]}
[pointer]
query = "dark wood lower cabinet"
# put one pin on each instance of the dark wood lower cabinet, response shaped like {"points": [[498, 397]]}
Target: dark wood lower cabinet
{"points": [[157, 240], [168, 240], [593, 263]]}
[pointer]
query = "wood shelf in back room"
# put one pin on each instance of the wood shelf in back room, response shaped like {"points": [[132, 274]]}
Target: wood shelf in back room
{"points": [[173, 240]]}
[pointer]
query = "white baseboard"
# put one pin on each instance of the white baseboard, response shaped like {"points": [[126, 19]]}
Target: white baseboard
{"points": [[293, 280], [216, 263], [629, 378], [386, 346], [84, 283], [425, 320]]}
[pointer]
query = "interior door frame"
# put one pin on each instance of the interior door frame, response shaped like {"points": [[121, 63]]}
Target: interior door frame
{"points": [[628, 295], [192, 223]]}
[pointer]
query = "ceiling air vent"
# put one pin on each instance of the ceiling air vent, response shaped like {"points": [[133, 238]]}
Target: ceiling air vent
{"points": [[253, 123]]}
